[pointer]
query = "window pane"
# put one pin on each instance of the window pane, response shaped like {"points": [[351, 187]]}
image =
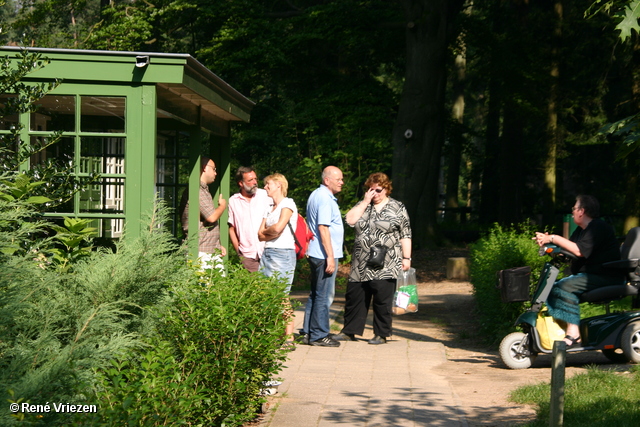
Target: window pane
{"points": [[108, 227], [105, 114], [102, 155], [60, 151], [166, 143], [184, 171], [105, 196], [8, 120], [165, 170], [65, 206], [54, 112], [168, 194], [183, 145]]}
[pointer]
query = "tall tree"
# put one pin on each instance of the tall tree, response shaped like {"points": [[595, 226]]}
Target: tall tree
{"points": [[553, 129], [419, 132], [456, 138]]}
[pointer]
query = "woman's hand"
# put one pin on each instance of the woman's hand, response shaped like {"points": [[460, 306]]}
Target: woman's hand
{"points": [[356, 212], [406, 264], [368, 196]]}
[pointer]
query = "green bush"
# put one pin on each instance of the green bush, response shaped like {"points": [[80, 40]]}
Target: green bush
{"points": [[499, 249], [133, 331], [230, 333], [148, 389], [58, 326], [215, 345]]}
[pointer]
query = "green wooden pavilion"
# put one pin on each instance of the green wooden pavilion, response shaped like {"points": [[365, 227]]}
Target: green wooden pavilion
{"points": [[139, 120]]}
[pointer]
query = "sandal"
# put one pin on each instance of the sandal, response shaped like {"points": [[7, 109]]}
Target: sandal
{"points": [[289, 345], [575, 342]]}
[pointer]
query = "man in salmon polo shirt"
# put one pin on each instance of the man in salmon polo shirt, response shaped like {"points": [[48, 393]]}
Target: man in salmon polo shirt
{"points": [[246, 210]]}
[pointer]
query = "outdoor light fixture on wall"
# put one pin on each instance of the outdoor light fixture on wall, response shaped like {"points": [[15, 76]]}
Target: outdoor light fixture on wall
{"points": [[142, 61]]}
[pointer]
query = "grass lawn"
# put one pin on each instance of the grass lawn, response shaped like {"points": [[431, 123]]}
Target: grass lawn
{"points": [[594, 398]]}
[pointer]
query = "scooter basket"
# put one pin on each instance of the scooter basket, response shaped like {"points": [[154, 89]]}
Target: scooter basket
{"points": [[514, 284]]}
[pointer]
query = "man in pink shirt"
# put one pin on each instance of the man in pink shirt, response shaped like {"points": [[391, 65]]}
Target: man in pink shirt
{"points": [[246, 210]]}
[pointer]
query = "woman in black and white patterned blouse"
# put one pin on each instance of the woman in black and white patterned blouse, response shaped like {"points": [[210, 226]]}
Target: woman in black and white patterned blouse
{"points": [[379, 220]]}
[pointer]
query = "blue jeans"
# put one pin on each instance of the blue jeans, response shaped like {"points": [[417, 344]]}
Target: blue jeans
{"points": [[323, 289], [564, 299], [279, 262]]}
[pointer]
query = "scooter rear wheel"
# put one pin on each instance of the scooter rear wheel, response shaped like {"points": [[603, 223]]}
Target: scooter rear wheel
{"points": [[630, 343], [514, 351]]}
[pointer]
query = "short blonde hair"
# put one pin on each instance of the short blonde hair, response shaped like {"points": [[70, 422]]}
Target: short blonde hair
{"points": [[278, 177]]}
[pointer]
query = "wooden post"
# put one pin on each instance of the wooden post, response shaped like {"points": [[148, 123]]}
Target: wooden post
{"points": [[458, 268], [556, 412]]}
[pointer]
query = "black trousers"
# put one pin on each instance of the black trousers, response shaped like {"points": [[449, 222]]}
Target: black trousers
{"points": [[357, 302]]}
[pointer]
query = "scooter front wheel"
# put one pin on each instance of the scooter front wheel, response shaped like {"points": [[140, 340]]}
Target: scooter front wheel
{"points": [[630, 342], [514, 351]]}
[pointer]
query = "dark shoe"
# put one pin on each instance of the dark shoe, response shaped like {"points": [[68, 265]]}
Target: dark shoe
{"points": [[325, 342], [302, 338], [344, 337], [378, 340]]}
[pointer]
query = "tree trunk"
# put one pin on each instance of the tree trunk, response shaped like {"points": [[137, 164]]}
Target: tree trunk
{"points": [[511, 164], [631, 200], [549, 196], [456, 140], [418, 134], [490, 189]]}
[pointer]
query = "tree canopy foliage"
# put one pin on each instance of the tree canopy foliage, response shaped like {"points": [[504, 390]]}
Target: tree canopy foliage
{"points": [[343, 81]]}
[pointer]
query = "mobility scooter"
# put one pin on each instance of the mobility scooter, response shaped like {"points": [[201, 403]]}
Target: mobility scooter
{"points": [[617, 335]]}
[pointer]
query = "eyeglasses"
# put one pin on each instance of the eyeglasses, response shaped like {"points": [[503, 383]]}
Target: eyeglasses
{"points": [[575, 208], [212, 167], [378, 190]]}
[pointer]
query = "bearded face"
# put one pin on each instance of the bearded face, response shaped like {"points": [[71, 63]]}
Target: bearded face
{"points": [[249, 184], [250, 189]]}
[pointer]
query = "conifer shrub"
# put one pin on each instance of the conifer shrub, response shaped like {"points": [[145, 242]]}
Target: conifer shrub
{"points": [[135, 331], [58, 326], [501, 248]]}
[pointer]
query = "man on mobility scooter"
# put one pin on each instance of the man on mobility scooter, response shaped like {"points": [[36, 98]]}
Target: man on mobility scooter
{"points": [[593, 243]]}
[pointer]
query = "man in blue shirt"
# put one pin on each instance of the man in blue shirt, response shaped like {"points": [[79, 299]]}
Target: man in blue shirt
{"points": [[325, 221]]}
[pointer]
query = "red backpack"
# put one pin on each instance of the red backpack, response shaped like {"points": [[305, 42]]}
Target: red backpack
{"points": [[302, 236]]}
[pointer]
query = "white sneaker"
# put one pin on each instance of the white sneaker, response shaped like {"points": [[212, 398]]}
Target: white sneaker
{"points": [[268, 392]]}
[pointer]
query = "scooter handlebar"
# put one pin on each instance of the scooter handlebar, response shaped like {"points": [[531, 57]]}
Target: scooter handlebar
{"points": [[556, 251]]}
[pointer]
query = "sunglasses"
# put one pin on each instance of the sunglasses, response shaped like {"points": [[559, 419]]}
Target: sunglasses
{"points": [[378, 190]]}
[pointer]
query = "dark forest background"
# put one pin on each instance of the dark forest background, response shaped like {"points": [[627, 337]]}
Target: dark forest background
{"points": [[495, 110]]}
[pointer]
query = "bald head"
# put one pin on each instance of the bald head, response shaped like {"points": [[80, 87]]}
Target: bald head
{"points": [[332, 179]]}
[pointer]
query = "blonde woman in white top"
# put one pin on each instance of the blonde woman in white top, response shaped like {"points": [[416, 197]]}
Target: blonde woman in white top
{"points": [[279, 256]]}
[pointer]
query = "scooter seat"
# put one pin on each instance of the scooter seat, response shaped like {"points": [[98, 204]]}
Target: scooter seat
{"points": [[608, 293]]}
